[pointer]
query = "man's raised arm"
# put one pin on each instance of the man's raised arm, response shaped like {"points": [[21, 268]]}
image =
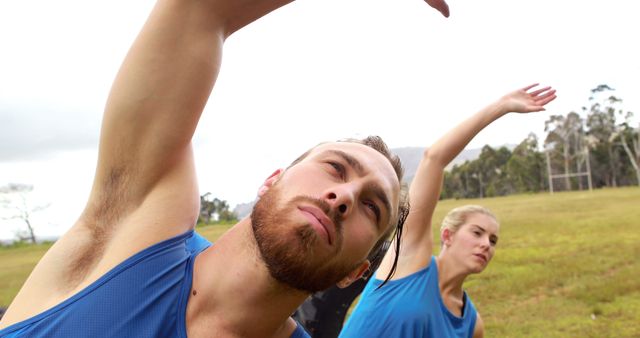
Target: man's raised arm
{"points": [[155, 104]]}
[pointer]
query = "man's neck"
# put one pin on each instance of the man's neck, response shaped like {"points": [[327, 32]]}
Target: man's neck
{"points": [[233, 292]]}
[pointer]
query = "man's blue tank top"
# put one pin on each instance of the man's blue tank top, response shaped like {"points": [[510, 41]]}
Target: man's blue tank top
{"points": [[408, 307], [144, 296]]}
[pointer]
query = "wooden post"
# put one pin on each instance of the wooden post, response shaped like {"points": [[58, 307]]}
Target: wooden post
{"points": [[549, 172], [589, 169]]}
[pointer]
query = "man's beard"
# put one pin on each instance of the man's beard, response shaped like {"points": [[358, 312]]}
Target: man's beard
{"points": [[288, 249]]}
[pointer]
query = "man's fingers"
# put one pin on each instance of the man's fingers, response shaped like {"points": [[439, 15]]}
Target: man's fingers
{"points": [[439, 5]]}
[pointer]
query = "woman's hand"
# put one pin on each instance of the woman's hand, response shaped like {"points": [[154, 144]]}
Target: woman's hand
{"points": [[523, 101]]}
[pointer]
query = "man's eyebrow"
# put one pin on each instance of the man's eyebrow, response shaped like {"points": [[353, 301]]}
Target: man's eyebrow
{"points": [[352, 161]]}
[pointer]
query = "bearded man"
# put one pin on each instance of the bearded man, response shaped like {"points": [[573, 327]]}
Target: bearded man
{"points": [[132, 266]]}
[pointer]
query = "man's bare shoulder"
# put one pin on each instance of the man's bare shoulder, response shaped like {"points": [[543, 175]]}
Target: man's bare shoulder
{"points": [[56, 277]]}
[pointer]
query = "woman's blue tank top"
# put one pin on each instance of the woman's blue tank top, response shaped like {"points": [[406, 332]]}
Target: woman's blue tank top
{"points": [[408, 307]]}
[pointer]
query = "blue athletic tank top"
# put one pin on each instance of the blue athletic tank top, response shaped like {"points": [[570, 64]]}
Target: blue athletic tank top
{"points": [[408, 307], [144, 296]]}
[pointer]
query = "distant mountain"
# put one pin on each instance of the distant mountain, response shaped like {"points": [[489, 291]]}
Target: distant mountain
{"points": [[244, 209], [39, 239], [410, 157]]}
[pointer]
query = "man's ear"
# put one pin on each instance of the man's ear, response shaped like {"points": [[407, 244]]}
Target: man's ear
{"points": [[354, 275], [268, 183]]}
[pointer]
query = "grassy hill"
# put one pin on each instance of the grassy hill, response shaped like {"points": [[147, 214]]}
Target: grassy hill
{"points": [[566, 265]]}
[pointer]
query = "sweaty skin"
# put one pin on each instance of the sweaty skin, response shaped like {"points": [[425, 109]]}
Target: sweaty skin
{"points": [[145, 188]]}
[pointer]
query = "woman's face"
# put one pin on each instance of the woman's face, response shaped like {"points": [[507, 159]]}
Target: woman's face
{"points": [[474, 244]]}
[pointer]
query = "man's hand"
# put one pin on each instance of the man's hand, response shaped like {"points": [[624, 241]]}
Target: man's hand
{"points": [[440, 5]]}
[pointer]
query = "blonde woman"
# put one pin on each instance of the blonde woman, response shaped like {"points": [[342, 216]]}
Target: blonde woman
{"points": [[425, 296]]}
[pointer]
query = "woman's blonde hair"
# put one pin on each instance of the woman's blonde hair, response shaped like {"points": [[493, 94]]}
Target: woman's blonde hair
{"points": [[457, 216]]}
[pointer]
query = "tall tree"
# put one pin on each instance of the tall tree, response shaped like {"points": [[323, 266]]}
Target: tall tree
{"points": [[630, 140], [565, 143], [491, 169], [214, 208], [485, 176], [208, 208], [601, 122], [526, 167], [15, 200]]}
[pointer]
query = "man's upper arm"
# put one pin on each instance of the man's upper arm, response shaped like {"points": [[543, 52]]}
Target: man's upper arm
{"points": [[155, 103]]}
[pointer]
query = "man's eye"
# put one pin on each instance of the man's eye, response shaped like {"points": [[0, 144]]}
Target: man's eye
{"points": [[337, 167], [374, 208]]}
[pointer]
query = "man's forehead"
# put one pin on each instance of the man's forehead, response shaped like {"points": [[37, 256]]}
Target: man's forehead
{"points": [[370, 159], [348, 147], [366, 155]]}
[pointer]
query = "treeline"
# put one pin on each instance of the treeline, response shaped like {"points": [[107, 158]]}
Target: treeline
{"points": [[215, 210], [599, 147]]}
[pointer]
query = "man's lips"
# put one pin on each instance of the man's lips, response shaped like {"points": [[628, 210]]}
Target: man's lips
{"points": [[319, 220]]}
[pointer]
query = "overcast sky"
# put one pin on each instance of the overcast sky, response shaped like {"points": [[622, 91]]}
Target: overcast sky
{"points": [[315, 70]]}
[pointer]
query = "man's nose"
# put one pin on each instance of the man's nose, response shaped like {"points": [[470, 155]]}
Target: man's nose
{"points": [[341, 198]]}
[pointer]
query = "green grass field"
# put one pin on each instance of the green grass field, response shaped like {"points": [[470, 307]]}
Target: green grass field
{"points": [[566, 265]]}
